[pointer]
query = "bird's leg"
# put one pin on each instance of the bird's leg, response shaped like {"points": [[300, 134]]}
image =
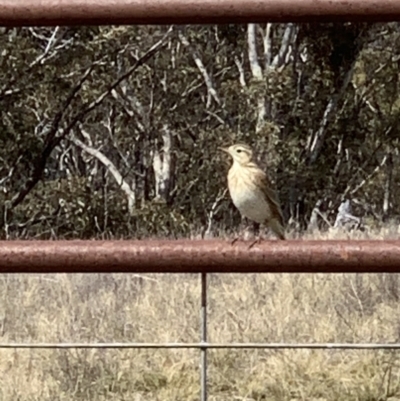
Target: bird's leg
{"points": [[256, 229], [257, 233], [257, 241], [240, 236]]}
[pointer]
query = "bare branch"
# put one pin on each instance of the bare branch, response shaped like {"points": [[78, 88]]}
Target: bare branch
{"points": [[212, 93], [109, 165], [136, 111], [213, 211], [366, 179], [282, 57], [318, 139], [240, 68], [50, 44]]}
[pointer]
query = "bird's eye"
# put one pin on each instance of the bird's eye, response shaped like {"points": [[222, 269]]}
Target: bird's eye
{"points": [[239, 151]]}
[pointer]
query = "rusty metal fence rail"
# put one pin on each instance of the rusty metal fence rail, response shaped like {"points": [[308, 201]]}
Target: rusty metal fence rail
{"points": [[106, 12], [200, 257]]}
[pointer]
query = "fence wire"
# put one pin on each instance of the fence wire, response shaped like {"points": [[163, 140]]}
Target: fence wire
{"points": [[203, 346]]}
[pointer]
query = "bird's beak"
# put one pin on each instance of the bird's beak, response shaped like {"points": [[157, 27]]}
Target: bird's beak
{"points": [[224, 149]]}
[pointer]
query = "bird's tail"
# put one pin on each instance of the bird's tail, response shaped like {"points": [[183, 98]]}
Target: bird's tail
{"points": [[278, 229]]}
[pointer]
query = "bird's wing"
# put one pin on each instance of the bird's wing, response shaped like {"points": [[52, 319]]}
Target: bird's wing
{"points": [[269, 193]]}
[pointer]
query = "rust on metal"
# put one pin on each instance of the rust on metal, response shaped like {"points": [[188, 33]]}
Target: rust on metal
{"points": [[199, 256], [111, 12]]}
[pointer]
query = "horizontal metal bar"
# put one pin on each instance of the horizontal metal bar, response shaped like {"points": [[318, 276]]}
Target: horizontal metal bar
{"points": [[203, 345], [208, 256], [110, 12]]}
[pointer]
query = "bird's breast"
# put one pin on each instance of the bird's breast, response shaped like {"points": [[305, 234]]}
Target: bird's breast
{"points": [[247, 197]]}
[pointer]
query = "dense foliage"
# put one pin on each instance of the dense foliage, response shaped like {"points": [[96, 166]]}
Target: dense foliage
{"points": [[113, 131]]}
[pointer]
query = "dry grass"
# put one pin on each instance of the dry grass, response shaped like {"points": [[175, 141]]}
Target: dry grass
{"points": [[154, 308]]}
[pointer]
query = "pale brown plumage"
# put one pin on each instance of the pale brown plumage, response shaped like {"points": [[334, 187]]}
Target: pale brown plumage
{"points": [[251, 191]]}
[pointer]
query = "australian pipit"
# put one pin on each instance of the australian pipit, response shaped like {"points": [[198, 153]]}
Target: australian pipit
{"points": [[251, 191]]}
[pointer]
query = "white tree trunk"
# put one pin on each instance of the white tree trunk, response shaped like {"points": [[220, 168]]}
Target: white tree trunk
{"points": [[162, 166]]}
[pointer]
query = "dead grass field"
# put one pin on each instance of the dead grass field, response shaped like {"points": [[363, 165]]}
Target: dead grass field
{"points": [[165, 308]]}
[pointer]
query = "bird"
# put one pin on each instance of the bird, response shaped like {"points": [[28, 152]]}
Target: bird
{"points": [[251, 190]]}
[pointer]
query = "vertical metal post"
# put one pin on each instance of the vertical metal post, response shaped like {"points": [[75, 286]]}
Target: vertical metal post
{"points": [[203, 329]]}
